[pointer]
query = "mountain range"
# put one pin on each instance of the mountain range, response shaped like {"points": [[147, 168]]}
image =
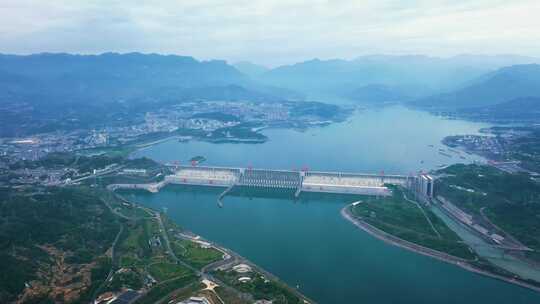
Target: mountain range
{"points": [[502, 86], [523, 109], [93, 88], [251, 69], [407, 77], [44, 92], [62, 78]]}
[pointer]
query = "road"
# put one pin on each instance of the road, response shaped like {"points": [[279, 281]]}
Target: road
{"points": [[111, 271], [513, 242], [204, 273], [107, 171], [425, 215], [171, 253]]}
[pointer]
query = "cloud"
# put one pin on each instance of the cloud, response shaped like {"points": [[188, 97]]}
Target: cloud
{"points": [[271, 32]]}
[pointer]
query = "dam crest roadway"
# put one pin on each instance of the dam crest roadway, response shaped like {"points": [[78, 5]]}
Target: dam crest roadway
{"points": [[298, 181]]}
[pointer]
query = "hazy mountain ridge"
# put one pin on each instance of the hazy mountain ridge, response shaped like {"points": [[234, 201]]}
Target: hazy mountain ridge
{"points": [[523, 109], [504, 85], [377, 93], [64, 76], [53, 86], [84, 90], [250, 69], [412, 75]]}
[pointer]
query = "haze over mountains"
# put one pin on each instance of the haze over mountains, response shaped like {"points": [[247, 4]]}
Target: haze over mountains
{"points": [[74, 90], [500, 86], [251, 69], [63, 77], [405, 76], [462, 82], [46, 85]]}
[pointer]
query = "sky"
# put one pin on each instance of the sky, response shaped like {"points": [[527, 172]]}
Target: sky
{"points": [[272, 32]]}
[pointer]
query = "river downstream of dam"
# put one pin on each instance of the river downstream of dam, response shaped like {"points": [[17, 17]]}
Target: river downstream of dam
{"points": [[306, 242]]}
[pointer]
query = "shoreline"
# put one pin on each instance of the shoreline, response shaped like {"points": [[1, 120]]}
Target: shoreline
{"points": [[139, 146], [233, 257], [418, 249]]}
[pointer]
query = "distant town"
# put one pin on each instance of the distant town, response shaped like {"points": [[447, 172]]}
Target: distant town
{"points": [[511, 149], [204, 120]]}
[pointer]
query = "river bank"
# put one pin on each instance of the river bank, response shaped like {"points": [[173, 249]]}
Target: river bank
{"points": [[441, 256], [170, 232], [284, 235]]}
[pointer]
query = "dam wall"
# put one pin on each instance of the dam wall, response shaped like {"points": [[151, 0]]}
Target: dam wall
{"points": [[270, 179], [205, 176], [350, 183], [300, 181]]}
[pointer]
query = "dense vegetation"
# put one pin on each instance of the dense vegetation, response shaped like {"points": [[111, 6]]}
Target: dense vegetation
{"points": [[41, 227], [259, 287], [526, 148], [61, 160], [194, 254], [511, 201], [85, 164], [402, 218], [242, 131]]}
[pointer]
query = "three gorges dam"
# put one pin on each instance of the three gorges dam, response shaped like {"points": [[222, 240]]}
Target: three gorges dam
{"points": [[297, 181]]}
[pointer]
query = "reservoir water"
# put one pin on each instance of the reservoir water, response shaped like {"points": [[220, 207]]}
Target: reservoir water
{"points": [[393, 140], [307, 243]]}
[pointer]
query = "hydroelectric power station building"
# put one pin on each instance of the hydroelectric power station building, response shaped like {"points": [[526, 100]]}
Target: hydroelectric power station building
{"points": [[298, 181]]}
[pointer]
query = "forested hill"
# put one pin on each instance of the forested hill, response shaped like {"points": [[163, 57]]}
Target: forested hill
{"points": [[53, 245], [64, 78], [87, 90]]}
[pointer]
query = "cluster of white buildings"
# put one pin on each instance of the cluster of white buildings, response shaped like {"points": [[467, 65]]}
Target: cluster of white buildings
{"points": [[203, 176]]}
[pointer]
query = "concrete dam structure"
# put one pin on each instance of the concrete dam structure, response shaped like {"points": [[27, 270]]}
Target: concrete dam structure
{"points": [[270, 179], [299, 181]]}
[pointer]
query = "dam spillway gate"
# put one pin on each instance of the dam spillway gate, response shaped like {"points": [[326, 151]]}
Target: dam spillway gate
{"points": [[298, 181]]}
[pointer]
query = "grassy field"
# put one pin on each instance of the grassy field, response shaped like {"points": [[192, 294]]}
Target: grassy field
{"points": [[163, 271], [404, 219], [195, 255]]}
